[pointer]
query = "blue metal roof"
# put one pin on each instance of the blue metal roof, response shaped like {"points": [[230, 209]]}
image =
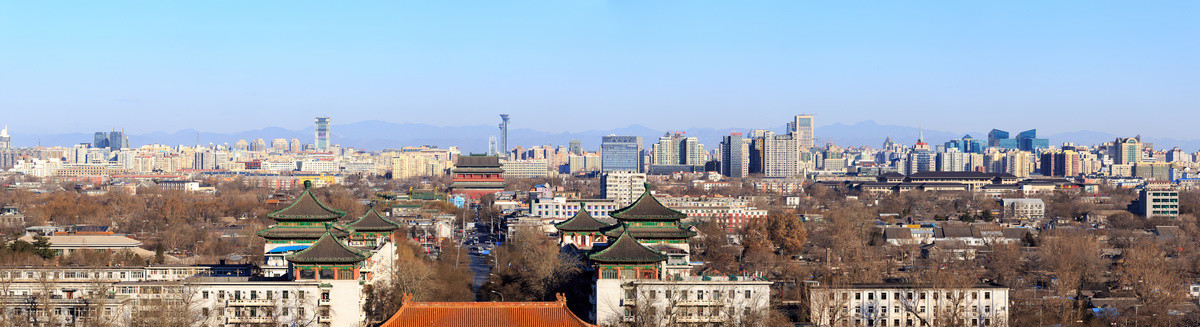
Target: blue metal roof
{"points": [[284, 249]]}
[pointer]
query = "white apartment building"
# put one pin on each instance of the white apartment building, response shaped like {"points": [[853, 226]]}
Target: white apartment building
{"points": [[781, 156], [529, 168], [319, 166], [903, 305], [718, 300], [623, 186], [560, 208], [1025, 209]]}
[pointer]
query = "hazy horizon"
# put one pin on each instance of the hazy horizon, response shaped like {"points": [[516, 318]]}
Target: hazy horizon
{"points": [[1122, 68]]}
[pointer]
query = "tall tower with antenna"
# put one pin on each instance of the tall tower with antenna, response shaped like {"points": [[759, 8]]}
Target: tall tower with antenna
{"points": [[504, 133]]}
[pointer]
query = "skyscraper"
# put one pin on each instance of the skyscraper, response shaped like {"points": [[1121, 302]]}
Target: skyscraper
{"points": [[576, 148], [1127, 151], [735, 157], [100, 140], [621, 153], [321, 131], [781, 156], [5, 140], [675, 149], [802, 127], [117, 140], [294, 146], [503, 133]]}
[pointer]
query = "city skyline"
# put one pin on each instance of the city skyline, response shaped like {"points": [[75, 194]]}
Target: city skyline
{"points": [[376, 135], [231, 70]]}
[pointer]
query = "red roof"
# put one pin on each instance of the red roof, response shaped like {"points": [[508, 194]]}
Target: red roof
{"points": [[485, 314]]}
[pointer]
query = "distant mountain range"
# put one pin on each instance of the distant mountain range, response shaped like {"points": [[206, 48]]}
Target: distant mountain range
{"points": [[376, 135]]}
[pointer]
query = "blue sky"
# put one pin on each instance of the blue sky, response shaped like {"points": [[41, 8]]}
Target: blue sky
{"points": [[1122, 67]]}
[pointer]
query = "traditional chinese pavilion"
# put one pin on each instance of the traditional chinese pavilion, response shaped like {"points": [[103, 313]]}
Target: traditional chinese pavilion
{"points": [[582, 229], [372, 229], [627, 259], [303, 222], [476, 176], [650, 222], [328, 259], [484, 314]]}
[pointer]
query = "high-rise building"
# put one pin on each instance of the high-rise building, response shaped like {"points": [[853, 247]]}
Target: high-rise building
{"points": [[802, 127], [100, 140], [117, 140], [1028, 141], [965, 145], [1127, 151], [279, 145], [1025, 141], [781, 156], [576, 147], [258, 145], [675, 149], [5, 140], [294, 146], [621, 153], [503, 133], [321, 134], [735, 157], [622, 186], [1061, 163], [920, 161], [204, 160]]}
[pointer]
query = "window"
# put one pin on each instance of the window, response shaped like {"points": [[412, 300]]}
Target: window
{"points": [[204, 312], [300, 310], [858, 296], [987, 295], [270, 295], [747, 294], [922, 295], [300, 295], [204, 295], [870, 296], [699, 295], [221, 294], [327, 274], [653, 294], [630, 294], [608, 274], [284, 294], [883, 296]]}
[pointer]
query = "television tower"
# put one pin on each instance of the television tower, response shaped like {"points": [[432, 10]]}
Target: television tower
{"points": [[504, 133]]}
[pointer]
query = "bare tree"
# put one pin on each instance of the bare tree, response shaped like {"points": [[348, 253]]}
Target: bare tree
{"points": [[1155, 279]]}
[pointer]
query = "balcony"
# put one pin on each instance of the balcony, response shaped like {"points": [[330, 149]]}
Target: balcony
{"points": [[323, 302], [325, 318], [692, 319], [698, 302], [250, 320], [251, 303]]}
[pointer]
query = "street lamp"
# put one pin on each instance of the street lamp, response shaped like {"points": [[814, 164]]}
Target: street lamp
{"points": [[500, 294]]}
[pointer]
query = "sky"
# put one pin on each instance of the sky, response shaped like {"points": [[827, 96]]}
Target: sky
{"points": [[1124, 67]]}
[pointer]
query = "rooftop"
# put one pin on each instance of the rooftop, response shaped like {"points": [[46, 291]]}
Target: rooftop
{"points": [[484, 314]]}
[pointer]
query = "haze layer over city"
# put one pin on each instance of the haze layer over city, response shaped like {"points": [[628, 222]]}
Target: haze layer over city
{"points": [[599, 163]]}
